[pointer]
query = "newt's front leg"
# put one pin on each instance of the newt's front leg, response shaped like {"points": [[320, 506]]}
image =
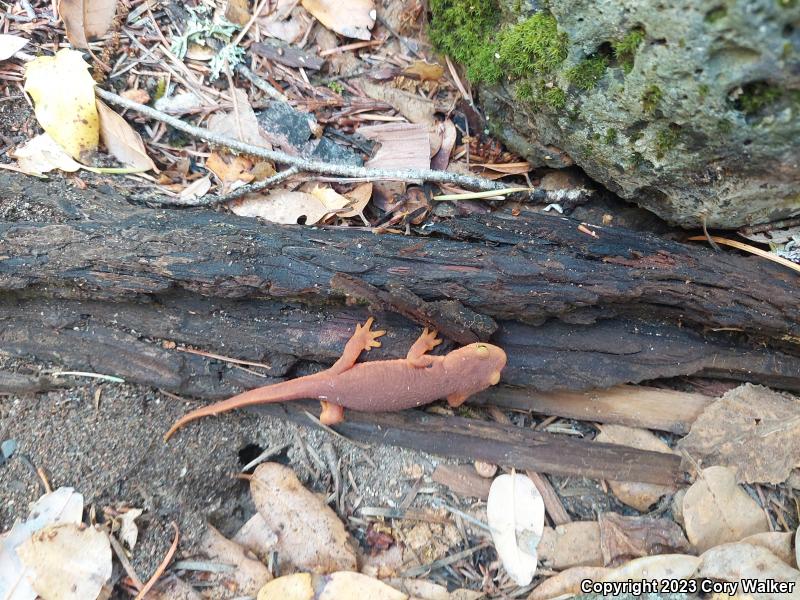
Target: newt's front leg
{"points": [[418, 353], [362, 339]]}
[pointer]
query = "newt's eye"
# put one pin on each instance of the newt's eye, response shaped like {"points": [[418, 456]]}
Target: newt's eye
{"points": [[482, 351]]}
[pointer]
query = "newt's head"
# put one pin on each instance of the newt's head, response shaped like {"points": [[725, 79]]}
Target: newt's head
{"points": [[479, 364]]}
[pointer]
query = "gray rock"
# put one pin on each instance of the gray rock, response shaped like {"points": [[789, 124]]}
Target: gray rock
{"points": [[702, 121]]}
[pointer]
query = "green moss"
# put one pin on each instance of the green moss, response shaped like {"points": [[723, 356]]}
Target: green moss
{"points": [[533, 46], [703, 90], [715, 14], [787, 3], [161, 89], [666, 140], [724, 126], [757, 96], [611, 136], [335, 86], [636, 159], [555, 98], [650, 98], [588, 72], [625, 49]]}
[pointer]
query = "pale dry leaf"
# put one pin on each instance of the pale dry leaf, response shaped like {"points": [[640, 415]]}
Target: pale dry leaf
{"points": [[350, 18], [237, 12], [310, 535], [567, 582], [195, 51], [289, 587], [663, 566], [743, 563], [257, 537], [330, 198], [86, 19], [640, 496], [336, 586], [281, 206], [63, 94], [515, 513], [122, 140], [424, 71], [402, 146], [197, 189], [717, 511], [67, 561], [179, 104], [413, 107], [249, 574], [575, 544], [128, 531], [239, 123], [780, 543], [63, 505], [419, 589], [625, 538], [10, 45], [41, 155], [752, 428]]}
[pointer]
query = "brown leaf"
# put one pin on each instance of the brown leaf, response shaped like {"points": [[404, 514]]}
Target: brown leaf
{"points": [[350, 18], [338, 586], [310, 535], [121, 140], [575, 544], [567, 582], [626, 538], [359, 197], [751, 428], [424, 71], [240, 123], [237, 12], [402, 146], [663, 566], [780, 543], [463, 480], [717, 511], [86, 19], [640, 496], [257, 537], [281, 206], [413, 107], [136, 95], [230, 170], [442, 158], [736, 562], [249, 575]]}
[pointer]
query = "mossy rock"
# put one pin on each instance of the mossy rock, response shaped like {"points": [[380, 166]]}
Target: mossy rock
{"points": [[704, 94]]}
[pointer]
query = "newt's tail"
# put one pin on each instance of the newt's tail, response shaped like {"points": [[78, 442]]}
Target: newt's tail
{"points": [[303, 387]]}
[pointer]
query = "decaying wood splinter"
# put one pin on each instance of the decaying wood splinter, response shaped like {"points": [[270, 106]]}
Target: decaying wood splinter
{"points": [[378, 386]]}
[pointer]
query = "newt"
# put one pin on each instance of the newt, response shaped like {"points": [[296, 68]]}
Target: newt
{"points": [[378, 386]]}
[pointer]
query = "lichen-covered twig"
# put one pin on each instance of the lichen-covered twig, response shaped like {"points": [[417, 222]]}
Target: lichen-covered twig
{"points": [[309, 166]]}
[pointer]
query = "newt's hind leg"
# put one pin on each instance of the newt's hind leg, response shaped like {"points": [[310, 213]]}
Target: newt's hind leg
{"points": [[362, 339], [426, 342], [331, 413]]}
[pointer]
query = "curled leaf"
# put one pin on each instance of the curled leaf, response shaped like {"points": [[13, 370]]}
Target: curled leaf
{"points": [[86, 19], [121, 140]]}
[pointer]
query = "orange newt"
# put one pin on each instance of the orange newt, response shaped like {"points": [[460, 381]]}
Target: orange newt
{"points": [[378, 386]]}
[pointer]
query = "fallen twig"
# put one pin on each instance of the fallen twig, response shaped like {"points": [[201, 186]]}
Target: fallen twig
{"points": [[311, 166]]}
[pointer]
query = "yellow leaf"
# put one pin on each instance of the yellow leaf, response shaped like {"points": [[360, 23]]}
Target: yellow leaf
{"points": [[63, 92], [121, 140], [86, 19]]}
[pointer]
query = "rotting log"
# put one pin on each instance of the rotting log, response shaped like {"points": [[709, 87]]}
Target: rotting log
{"points": [[93, 283]]}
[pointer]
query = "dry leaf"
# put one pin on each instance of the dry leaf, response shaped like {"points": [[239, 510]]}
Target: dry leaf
{"points": [[42, 155], [10, 45], [249, 574], [237, 11], [664, 566], [575, 544], [567, 582], [752, 428], [60, 506], [640, 496], [330, 198], [179, 104], [350, 18], [257, 537], [67, 561], [86, 19], [337, 586], [413, 107], [197, 189], [717, 511], [402, 146], [515, 512], [359, 197], [777, 542], [462, 480], [744, 563], [424, 71], [63, 92], [239, 123], [121, 140], [310, 535], [441, 159], [625, 538], [232, 171], [136, 95], [280, 206], [128, 531]]}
